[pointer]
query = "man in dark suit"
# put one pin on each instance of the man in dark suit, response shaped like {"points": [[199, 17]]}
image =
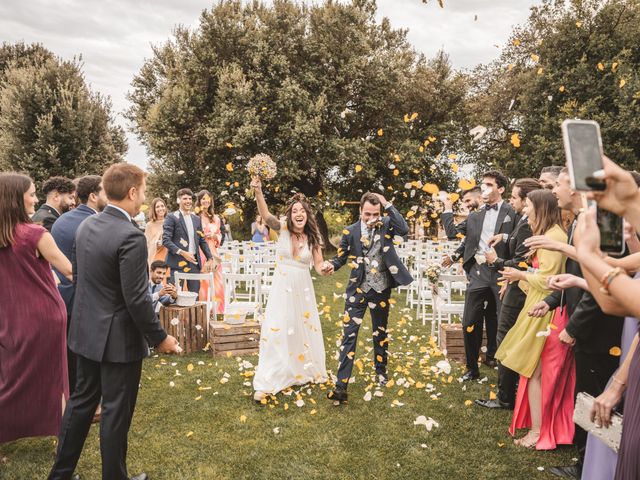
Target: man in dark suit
{"points": [[368, 246], [472, 200], [590, 331], [112, 325], [183, 236], [92, 200], [496, 217], [60, 194], [513, 297]]}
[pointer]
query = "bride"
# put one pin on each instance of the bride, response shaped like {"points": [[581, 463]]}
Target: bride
{"points": [[291, 343]]}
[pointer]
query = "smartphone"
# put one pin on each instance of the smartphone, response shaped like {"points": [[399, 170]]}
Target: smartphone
{"points": [[611, 232], [583, 149]]}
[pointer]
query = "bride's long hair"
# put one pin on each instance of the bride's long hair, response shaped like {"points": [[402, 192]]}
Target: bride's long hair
{"points": [[311, 227]]}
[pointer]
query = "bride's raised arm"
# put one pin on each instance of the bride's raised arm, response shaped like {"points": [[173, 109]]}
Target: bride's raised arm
{"points": [[263, 209]]}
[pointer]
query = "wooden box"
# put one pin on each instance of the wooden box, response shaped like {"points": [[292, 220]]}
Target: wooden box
{"points": [[187, 324], [452, 341], [234, 340]]}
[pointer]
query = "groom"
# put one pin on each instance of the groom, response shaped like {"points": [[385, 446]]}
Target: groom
{"points": [[368, 245]]}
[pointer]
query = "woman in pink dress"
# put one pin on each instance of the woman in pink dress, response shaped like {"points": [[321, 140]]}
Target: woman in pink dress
{"points": [[211, 226], [153, 231], [34, 385]]}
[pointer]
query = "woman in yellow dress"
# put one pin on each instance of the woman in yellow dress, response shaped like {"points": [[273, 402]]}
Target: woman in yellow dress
{"points": [[522, 347], [211, 226]]}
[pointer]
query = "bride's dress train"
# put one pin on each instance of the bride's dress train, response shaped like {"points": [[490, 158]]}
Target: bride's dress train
{"points": [[291, 343]]}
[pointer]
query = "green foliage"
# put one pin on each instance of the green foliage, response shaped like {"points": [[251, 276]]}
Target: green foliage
{"points": [[50, 122], [321, 88], [576, 59]]}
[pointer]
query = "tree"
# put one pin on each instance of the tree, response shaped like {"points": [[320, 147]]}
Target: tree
{"points": [[326, 90], [50, 122], [577, 59]]}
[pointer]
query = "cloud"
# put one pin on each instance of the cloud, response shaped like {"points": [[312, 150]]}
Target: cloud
{"points": [[114, 37]]}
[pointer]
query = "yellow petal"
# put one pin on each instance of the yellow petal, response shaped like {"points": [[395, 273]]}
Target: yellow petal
{"points": [[492, 396], [182, 264], [229, 167], [380, 132], [535, 57], [470, 328], [358, 168], [465, 184], [623, 82], [454, 197], [615, 351], [515, 140], [243, 418], [229, 145], [189, 434], [430, 188], [600, 66], [190, 367], [468, 403]]}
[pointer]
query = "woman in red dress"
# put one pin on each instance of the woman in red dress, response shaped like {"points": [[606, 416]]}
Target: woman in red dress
{"points": [[33, 349], [211, 224]]}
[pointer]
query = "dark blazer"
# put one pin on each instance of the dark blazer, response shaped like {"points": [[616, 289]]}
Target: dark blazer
{"points": [[516, 253], [64, 233], [571, 296], [473, 230], [450, 228], [45, 216], [175, 234], [595, 331], [113, 317], [350, 249]]}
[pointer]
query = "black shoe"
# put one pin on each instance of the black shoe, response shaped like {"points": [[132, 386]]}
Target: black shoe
{"points": [[467, 377], [497, 404], [490, 362], [570, 471], [338, 395], [142, 476], [382, 380]]}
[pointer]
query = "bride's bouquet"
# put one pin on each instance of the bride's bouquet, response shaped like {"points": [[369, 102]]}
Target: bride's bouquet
{"points": [[261, 166]]}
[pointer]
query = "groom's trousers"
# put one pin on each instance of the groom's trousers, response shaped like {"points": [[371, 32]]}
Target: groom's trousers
{"points": [[117, 384], [356, 307]]}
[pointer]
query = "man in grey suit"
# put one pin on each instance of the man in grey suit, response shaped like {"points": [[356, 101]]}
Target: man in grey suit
{"points": [[112, 325]]}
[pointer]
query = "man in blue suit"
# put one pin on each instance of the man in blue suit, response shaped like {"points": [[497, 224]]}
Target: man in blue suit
{"points": [[369, 247], [184, 238], [92, 200]]}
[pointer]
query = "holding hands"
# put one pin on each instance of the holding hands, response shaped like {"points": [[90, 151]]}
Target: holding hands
{"points": [[511, 275]]}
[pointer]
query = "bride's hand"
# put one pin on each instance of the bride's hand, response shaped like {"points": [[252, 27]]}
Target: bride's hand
{"points": [[256, 183]]}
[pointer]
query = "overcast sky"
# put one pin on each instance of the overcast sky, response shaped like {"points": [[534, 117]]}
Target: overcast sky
{"points": [[115, 36]]}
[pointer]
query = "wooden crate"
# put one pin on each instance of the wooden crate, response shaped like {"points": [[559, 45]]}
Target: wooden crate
{"points": [[187, 324], [452, 341], [234, 340]]}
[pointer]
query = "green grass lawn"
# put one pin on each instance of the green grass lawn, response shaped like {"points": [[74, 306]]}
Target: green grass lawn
{"points": [[195, 419]]}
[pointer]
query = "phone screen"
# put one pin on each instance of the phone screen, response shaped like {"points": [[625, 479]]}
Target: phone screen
{"points": [[611, 232], [584, 153]]}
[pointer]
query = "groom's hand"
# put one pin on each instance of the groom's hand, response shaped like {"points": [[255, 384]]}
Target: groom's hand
{"points": [[328, 268], [383, 200], [169, 345]]}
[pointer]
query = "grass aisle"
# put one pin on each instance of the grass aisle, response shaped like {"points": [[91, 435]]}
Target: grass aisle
{"points": [[195, 420]]}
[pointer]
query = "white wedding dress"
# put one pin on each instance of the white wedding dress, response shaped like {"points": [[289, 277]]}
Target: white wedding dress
{"points": [[291, 342]]}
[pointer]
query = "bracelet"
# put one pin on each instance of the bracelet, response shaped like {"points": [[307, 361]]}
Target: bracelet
{"points": [[607, 278]]}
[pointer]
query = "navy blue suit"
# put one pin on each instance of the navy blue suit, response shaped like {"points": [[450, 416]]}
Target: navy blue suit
{"points": [[176, 237], [392, 230], [64, 233]]}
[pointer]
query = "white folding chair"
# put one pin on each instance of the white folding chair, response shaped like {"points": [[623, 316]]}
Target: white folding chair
{"points": [[208, 277], [443, 304], [242, 293], [266, 270]]}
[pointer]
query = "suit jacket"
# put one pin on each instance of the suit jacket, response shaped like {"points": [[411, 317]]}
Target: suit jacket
{"points": [[450, 228], [473, 229], [154, 290], [571, 296], [393, 229], [45, 216], [175, 235], [64, 233], [595, 331], [113, 318], [516, 253]]}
